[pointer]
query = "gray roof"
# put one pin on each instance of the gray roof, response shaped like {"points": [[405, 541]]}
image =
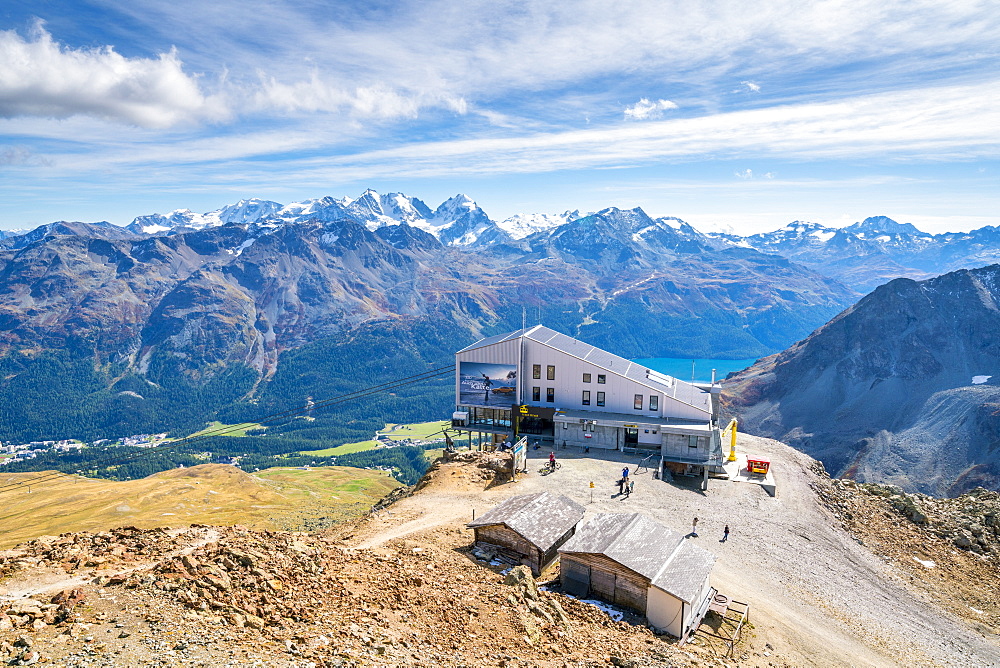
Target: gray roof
{"points": [[685, 574], [541, 518], [668, 385], [650, 549], [490, 340]]}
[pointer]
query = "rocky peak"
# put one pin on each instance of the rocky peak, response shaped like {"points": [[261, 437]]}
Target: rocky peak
{"points": [[882, 225]]}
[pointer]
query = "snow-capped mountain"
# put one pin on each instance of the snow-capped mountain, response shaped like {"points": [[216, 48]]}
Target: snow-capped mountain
{"points": [[862, 255], [459, 221]]}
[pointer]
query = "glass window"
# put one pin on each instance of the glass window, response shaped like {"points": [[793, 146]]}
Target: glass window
{"points": [[601, 378], [586, 397], [536, 394], [600, 398], [654, 402], [586, 377], [550, 394], [550, 372], [638, 402], [536, 371]]}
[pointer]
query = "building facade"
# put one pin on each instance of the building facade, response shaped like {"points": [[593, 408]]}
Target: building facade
{"points": [[563, 392]]}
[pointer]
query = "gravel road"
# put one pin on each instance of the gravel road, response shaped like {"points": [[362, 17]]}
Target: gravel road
{"points": [[816, 595]]}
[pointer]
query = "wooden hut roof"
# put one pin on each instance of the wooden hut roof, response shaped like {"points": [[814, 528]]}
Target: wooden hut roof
{"points": [[540, 518], [640, 544]]}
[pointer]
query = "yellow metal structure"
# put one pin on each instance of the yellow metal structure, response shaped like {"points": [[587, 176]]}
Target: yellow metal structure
{"points": [[732, 440]]}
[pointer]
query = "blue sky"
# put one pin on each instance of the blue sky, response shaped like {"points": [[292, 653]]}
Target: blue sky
{"points": [[730, 115]]}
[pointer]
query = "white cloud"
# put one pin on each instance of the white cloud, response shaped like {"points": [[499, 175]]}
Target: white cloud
{"points": [[644, 109], [745, 174], [39, 77], [750, 86]]}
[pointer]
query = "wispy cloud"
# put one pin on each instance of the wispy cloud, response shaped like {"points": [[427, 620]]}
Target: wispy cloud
{"points": [[645, 109], [750, 86], [39, 77]]}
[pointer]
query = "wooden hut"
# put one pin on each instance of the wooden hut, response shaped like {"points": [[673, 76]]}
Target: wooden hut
{"points": [[530, 527], [633, 562]]}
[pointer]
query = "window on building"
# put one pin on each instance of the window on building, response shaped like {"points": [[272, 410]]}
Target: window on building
{"points": [[586, 397], [550, 394], [536, 371], [654, 402], [692, 441], [638, 402], [536, 394], [600, 398], [586, 377], [550, 372], [601, 379]]}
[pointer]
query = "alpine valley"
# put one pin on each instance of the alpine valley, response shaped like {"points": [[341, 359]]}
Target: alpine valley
{"points": [[260, 307]]}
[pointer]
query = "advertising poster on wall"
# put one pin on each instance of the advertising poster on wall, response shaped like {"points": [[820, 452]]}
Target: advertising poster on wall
{"points": [[485, 384]]}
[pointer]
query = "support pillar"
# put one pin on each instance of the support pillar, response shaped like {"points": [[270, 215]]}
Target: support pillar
{"points": [[704, 480]]}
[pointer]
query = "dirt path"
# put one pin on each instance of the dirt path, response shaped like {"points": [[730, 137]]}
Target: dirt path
{"points": [[817, 596]]}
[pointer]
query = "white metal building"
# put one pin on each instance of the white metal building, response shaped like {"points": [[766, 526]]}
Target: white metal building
{"points": [[557, 389]]}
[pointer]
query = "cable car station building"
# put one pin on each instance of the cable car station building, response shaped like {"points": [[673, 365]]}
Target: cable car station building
{"points": [[560, 391]]}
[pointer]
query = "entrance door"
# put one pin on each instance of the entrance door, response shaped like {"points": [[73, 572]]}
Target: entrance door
{"points": [[631, 437], [576, 576]]}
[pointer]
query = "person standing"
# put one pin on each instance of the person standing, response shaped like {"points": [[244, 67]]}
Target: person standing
{"points": [[694, 527], [552, 460], [725, 534]]}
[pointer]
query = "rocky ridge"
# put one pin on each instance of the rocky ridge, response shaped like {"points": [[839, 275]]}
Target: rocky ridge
{"points": [[949, 547], [901, 388]]}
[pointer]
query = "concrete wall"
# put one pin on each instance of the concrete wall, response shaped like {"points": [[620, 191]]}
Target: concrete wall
{"points": [[602, 438]]}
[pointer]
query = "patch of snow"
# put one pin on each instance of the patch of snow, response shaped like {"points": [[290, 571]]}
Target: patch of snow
{"points": [[153, 229], [824, 235], [883, 238], [979, 380], [614, 613], [522, 225], [925, 564], [242, 247]]}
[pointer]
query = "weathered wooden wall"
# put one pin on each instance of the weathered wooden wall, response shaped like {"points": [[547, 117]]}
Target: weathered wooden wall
{"points": [[609, 580], [500, 535]]}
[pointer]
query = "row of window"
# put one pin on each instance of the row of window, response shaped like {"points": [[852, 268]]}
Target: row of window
{"points": [[550, 374], [550, 397]]}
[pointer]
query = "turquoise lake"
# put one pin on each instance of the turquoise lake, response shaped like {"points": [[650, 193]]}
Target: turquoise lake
{"points": [[681, 368]]}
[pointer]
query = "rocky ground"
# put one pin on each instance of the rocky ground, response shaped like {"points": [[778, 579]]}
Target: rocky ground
{"points": [[215, 596], [402, 587], [949, 548]]}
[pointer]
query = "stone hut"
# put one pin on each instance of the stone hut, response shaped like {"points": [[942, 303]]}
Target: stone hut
{"points": [[529, 528]]}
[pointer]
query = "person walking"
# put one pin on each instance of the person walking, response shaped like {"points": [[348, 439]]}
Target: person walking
{"points": [[552, 461], [694, 527], [725, 534]]}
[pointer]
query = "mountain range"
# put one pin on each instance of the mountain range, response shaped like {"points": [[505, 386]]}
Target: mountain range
{"points": [[178, 318], [259, 305], [861, 256], [876, 250]]}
